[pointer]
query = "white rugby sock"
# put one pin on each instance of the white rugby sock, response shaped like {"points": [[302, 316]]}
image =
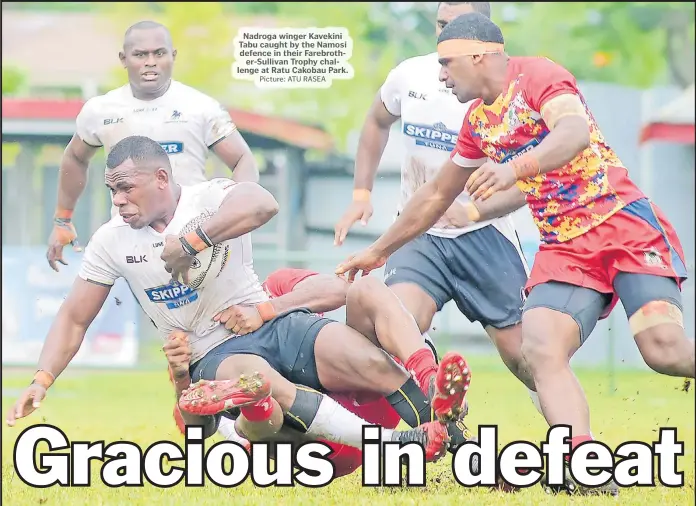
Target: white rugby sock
{"points": [[335, 423], [227, 430], [535, 400]]}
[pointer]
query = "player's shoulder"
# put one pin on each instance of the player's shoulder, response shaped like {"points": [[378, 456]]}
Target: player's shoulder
{"points": [[115, 96], [420, 63], [216, 183], [110, 98], [206, 191], [536, 66], [193, 98]]}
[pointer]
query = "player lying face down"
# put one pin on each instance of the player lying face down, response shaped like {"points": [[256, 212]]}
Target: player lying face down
{"points": [[296, 347]]}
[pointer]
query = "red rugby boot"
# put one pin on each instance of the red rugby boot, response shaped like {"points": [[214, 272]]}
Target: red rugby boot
{"points": [[211, 397], [450, 387], [432, 436]]}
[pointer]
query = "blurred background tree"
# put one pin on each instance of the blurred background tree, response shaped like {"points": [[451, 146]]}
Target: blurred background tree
{"points": [[14, 80], [638, 44], [631, 43]]}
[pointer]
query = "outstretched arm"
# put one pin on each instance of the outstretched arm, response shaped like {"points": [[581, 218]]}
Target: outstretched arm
{"points": [[74, 317], [319, 293], [64, 339]]}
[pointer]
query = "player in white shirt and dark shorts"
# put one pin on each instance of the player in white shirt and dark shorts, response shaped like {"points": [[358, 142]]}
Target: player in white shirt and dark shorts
{"points": [[292, 347], [187, 124], [470, 256]]}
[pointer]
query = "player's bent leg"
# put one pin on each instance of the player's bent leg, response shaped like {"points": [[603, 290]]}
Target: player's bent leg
{"points": [[419, 276], [287, 343], [347, 361], [654, 309], [508, 342], [249, 390], [490, 273], [374, 310], [557, 319]]}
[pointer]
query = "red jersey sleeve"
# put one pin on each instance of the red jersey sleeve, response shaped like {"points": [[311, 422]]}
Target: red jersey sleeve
{"points": [[283, 281], [546, 80], [466, 153]]}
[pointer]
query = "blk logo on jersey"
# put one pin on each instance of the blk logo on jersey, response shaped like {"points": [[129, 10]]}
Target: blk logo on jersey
{"points": [[113, 121], [173, 295], [417, 96], [435, 136], [172, 148]]}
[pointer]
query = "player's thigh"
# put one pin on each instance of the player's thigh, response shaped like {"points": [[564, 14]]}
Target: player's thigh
{"points": [[558, 318], [654, 308], [296, 334], [418, 274], [489, 275], [347, 361], [258, 351]]}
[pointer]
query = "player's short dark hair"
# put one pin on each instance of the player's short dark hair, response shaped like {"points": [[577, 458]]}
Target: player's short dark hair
{"points": [[481, 7], [472, 26], [140, 149], [147, 25]]}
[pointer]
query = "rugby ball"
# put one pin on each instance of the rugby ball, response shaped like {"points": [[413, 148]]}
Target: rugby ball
{"points": [[209, 263]]}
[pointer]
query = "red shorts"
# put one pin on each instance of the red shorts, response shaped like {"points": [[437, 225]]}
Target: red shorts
{"points": [[638, 239]]}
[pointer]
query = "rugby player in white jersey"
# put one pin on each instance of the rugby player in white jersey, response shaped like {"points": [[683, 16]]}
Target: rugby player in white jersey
{"points": [[472, 255], [187, 123], [142, 244]]}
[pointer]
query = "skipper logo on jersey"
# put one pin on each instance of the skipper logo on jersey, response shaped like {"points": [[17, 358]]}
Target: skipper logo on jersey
{"points": [[172, 148], [432, 136], [173, 295]]}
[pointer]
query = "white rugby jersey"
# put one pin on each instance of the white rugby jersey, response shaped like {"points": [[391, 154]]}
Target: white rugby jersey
{"points": [[431, 117], [116, 250], [184, 121]]}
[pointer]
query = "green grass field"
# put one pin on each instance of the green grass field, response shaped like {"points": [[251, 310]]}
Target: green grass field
{"points": [[136, 406]]}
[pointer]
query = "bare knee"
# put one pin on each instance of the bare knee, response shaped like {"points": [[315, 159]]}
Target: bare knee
{"points": [[234, 366], [548, 339], [365, 292], [662, 346], [658, 327], [417, 302], [509, 344]]}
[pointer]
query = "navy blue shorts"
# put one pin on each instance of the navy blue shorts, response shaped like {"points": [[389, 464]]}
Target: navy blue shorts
{"points": [[482, 271], [286, 343]]}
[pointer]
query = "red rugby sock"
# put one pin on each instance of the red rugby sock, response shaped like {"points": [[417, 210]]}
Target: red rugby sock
{"points": [[259, 412], [422, 366], [576, 440]]}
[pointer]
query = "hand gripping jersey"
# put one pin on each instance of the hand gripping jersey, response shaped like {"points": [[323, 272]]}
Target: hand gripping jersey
{"points": [[116, 250], [431, 117], [184, 121], [566, 202]]}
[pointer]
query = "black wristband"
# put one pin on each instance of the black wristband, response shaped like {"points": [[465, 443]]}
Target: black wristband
{"points": [[204, 237], [187, 247]]}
